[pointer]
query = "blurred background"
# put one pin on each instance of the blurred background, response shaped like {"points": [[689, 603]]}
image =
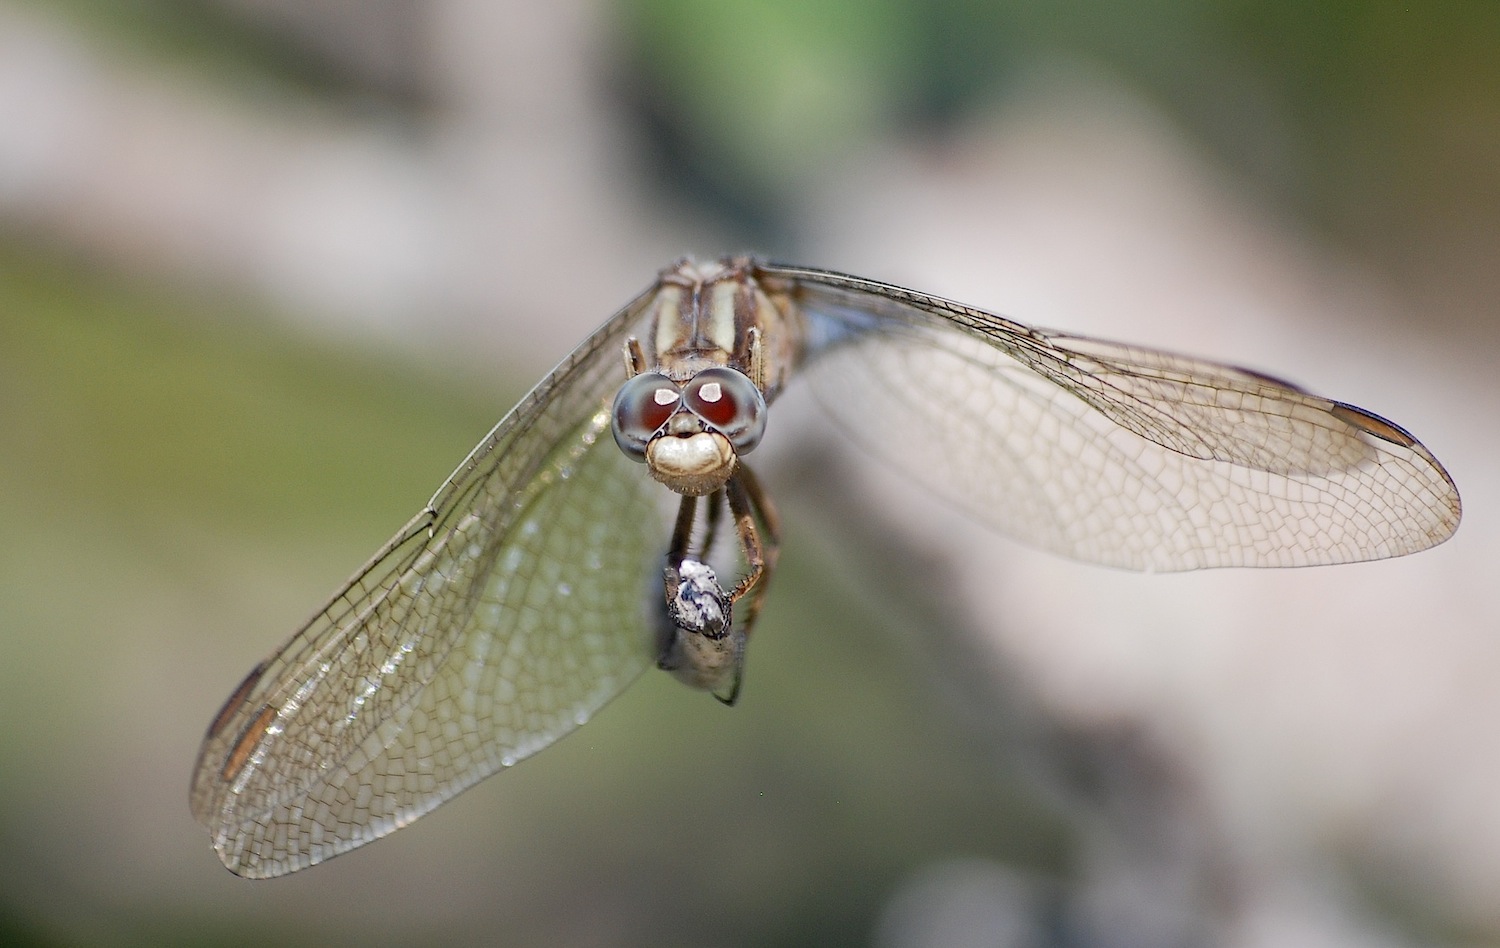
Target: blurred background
{"points": [[269, 268]]}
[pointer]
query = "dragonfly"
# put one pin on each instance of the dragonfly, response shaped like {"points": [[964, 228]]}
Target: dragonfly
{"points": [[609, 523]]}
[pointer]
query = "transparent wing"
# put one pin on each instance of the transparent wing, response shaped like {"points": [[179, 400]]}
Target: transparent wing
{"points": [[498, 620], [1115, 454]]}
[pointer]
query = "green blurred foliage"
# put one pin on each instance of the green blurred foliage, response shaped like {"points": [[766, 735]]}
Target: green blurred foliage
{"points": [[1371, 119], [175, 409], [212, 42], [1367, 117]]}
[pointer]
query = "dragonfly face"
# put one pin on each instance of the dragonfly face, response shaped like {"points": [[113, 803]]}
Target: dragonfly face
{"points": [[549, 570], [690, 436]]}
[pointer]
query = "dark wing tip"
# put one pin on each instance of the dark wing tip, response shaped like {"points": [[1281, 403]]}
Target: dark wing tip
{"points": [[1373, 424]]}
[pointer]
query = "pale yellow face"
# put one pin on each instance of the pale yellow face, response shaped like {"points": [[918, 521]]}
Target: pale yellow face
{"points": [[694, 465]]}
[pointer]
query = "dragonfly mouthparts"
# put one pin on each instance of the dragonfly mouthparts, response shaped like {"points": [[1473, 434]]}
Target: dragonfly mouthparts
{"points": [[694, 465]]}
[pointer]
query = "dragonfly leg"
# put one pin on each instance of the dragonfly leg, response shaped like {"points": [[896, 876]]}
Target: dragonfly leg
{"points": [[763, 505], [635, 358], [683, 547], [759, 529], [714, 517], [682, 533], [757, 359]]}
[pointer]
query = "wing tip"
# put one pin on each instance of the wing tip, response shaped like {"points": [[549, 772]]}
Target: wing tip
{"points": [[1372, 424]]}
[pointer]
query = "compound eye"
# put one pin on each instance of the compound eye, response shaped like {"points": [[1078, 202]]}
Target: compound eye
{"points": [[642, 406], [730, 402]]}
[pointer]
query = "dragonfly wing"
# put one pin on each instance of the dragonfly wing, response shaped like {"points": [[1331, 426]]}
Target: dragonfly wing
{"points": [[498, 620], [1110, 453]]}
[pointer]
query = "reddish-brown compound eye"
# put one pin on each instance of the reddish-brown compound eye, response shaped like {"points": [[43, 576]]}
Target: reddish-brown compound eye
{"points": [[730, 403], [642, 406]]}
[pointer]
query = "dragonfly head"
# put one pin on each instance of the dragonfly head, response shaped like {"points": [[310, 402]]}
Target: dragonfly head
{"points": [[689, 435]]}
